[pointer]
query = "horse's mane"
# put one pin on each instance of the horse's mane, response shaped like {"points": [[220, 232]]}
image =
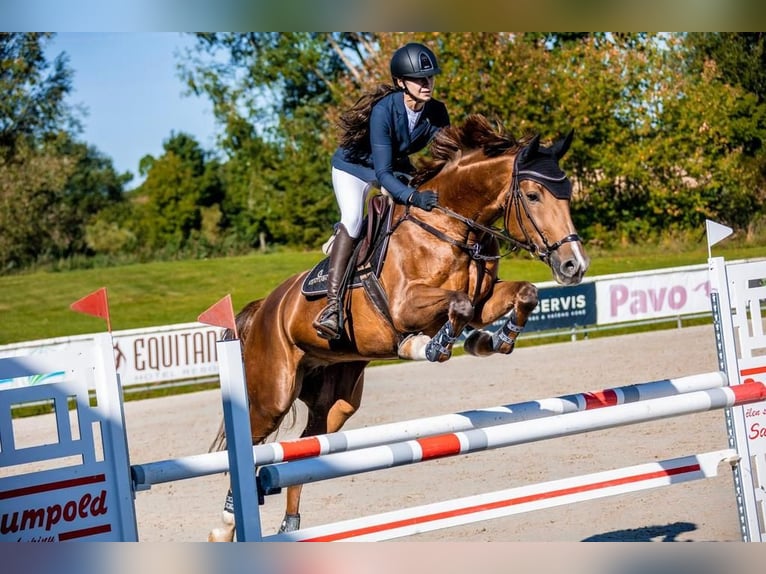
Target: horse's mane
{"points": [[476, 132]]}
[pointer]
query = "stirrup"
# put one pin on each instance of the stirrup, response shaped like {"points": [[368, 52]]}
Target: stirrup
{"points": [[325, 331]]}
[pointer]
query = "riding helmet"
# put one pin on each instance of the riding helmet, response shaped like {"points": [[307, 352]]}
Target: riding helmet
{"points": [[414, 60]]}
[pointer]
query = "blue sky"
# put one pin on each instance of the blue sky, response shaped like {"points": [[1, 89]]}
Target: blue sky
{"points": [[130, 87]]}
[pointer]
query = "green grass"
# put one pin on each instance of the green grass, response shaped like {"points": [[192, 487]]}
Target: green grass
{"points": [[36, 305]]}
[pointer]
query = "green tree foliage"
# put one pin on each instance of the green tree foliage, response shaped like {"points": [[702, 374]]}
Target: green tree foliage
{"points": [[92, 186], [32, 106], [740, 57], [736, 62], [669, 131], [271, 92], [169, 204], [659, 146], [31, 186], [665, 136], [50, 185]]}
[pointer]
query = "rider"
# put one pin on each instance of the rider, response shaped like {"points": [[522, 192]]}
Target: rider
{"points": [[380, 131]]}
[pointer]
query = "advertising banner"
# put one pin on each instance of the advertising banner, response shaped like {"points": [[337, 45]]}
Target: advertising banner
{"points": [[142, 356], [650, 296], [564, 308]]}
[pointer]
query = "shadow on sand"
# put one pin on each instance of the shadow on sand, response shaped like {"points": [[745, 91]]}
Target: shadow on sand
{"points": [[659, 533]]}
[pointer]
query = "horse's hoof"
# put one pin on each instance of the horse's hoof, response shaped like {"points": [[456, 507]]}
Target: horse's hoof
{"points": [[438, 355], [478, 344], [290, 523], [222, 534], [226, 532], [469, 345]]}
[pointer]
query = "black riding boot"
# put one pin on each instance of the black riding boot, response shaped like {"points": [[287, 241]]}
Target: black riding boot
{"points": [[327, 322]]}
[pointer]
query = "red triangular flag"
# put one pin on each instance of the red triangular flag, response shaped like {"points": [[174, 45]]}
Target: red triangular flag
{"points": [[95, 304], [220, 315]]}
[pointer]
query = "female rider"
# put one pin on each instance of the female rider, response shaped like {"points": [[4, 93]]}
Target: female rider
{"points": [[380, 132]]}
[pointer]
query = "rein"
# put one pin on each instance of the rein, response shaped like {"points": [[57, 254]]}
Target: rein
{"points": [[514, 199], [473, 249]]}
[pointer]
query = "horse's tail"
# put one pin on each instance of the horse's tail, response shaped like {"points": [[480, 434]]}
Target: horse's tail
{"points": [[244, 321]]}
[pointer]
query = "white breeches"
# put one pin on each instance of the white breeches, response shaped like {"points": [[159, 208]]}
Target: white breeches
{"points": [[351, 194]]}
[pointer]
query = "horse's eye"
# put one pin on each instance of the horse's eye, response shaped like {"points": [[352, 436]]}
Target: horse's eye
{"points": [[533, 196]]}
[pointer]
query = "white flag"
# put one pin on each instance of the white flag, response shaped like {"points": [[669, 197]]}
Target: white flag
{"points": [[716, 232]]}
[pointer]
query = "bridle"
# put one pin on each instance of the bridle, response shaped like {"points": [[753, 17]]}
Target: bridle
{"points": [[514, 202], [518, 202]]}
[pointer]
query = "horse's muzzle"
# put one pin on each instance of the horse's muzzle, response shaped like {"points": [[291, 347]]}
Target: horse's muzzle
{"points": [[569, 265]]}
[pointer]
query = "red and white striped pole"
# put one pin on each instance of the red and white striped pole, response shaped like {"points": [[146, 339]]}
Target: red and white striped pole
{"points": [[145, 475], [340, 464]]}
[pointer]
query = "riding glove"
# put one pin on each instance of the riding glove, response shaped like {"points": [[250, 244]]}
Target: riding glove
{"points": [[425, 200]]}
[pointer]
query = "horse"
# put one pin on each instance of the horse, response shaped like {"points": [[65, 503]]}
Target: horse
{"points": [[440, 274]]}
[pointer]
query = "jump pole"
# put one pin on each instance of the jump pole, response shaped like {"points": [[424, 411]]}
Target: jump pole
{"points": [[274, 477], [147, 474], [491, 505]]}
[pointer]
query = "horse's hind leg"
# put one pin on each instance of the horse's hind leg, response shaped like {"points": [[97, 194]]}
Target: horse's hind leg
{"points": [[520, 299], [332, 396], [268, 407]]}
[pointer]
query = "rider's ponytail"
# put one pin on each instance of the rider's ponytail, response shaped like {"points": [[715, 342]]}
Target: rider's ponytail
{"points": [[354, 123]]}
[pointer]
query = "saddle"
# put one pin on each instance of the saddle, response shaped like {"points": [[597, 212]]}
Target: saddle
{"points": [[369, 252]]}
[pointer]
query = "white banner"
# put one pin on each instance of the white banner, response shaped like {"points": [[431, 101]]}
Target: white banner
{"points": [[151, 357], [651, 296], [142, 356]]}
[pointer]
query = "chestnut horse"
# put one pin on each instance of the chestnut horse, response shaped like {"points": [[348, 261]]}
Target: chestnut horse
{"points": [[440, 275]]}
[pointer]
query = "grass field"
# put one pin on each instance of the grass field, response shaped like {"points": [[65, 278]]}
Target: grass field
{"points": [[36, 305]]}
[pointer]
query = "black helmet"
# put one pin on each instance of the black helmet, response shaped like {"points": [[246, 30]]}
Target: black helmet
{"points": [[414, 61]]}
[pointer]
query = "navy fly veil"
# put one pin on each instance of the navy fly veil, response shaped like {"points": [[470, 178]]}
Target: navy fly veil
{"points": [[540, 164]]}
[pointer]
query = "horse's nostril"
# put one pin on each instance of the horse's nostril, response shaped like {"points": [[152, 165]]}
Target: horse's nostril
{"points": [[570, 267]]}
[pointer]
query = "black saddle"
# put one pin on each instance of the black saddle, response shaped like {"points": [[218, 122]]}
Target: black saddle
{"points": [[369, 253]]}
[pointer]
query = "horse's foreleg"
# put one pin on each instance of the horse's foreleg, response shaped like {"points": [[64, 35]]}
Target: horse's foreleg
{"points": [[258, 420], [515, 299], [340, 412], [424, 303]]}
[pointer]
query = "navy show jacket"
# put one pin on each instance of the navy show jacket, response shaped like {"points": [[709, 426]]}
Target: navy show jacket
{"points": [[392, 143]]}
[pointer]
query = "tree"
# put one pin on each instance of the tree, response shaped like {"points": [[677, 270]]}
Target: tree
{"points": [[92, 186], [169, 204], [660, 144], [33, 174], [32, 107], [271, 92], [739, 56], [736, 64], [30, 186]]}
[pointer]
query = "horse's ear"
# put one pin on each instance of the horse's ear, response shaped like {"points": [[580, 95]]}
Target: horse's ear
{"points": [[562, 145], [530, 150]]}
